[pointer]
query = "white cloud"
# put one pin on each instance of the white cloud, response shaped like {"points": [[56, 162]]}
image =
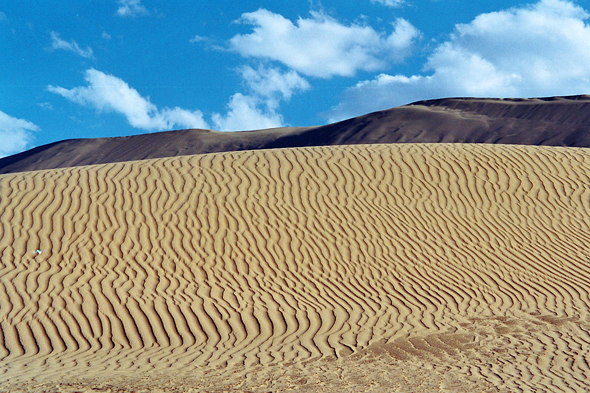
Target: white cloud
{"points": [[198, 38], [246, 113], [389, 3], [320, 46], [3, 17], [15, 134], [72, 46], [268, 87], [271, 84], [109, 93], [131, 8], [537, 50]]}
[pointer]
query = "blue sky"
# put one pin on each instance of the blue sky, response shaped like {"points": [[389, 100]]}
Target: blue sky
{"points": [[102, 68]]}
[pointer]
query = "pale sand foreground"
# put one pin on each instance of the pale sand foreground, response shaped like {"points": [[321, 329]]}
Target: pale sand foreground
{"points": [[350, 268]]}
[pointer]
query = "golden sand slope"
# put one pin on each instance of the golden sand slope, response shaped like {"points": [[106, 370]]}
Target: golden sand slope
{"points": [[378, 267]]}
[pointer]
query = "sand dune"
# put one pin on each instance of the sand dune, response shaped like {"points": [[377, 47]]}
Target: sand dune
{"points": [[431, 267], [552, 121]]}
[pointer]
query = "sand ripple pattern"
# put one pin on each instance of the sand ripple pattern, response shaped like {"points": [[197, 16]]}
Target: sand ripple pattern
{"points": [[473, 257]]}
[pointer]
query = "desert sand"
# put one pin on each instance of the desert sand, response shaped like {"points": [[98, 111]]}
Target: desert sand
{"points": [[385, 267]]}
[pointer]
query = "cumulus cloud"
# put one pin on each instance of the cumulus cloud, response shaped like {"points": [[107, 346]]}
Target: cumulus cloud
{"points": [[272, 84], [131, 8], [541, 49], [246, 113], [72, 46], [321, 46], [267, 88], [389, 3], [109, 93], [16, 134]]}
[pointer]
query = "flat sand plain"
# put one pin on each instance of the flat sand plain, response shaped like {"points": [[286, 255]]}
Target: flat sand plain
{"points": [[394, 267]]}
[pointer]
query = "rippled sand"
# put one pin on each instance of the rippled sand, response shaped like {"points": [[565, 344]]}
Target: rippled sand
{"points": [[430, 267]]}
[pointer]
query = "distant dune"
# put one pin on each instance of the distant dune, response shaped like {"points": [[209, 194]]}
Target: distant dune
{"points": [[384, 267], [554, 121]]}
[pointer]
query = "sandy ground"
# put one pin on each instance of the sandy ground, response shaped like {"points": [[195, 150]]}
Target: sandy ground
{"points": [[431, 267]]}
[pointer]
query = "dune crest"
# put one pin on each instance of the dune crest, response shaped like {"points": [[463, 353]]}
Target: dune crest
{"points": [[550, 121], [466, 264]]}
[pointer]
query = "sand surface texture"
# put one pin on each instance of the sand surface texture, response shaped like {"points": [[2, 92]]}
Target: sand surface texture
{"points": [[434, 267]]}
